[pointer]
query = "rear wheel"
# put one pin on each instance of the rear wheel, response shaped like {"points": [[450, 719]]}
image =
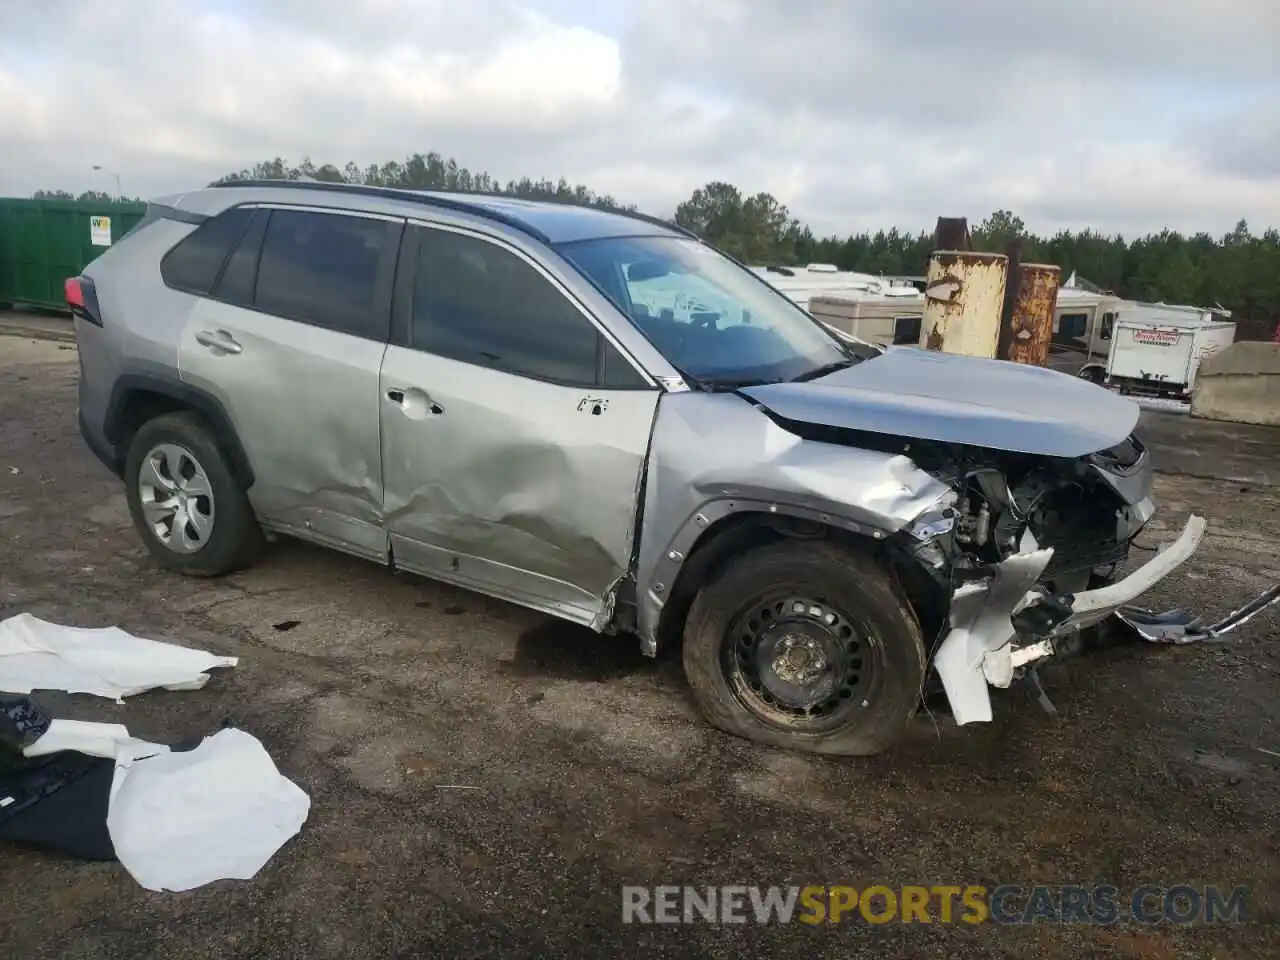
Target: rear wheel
{"points": [[805, 646], [192, 513]]}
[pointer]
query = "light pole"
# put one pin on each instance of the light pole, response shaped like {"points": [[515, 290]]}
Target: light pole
{"points": [[119, 192]]}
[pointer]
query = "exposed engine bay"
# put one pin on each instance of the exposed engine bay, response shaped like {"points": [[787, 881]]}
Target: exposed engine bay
{"points": [[1011, 503], [1022, 556]]}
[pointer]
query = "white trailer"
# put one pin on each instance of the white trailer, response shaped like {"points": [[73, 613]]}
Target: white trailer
{"points": [[1156, 350], [801, 284]]}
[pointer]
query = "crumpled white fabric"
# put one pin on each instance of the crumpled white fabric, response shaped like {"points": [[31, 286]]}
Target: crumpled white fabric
{"points": [[219, 812], [106, 662], [108, 740]]}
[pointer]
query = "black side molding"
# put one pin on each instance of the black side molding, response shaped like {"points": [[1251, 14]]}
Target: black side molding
{"points": [[104, 452], [134, 387]]}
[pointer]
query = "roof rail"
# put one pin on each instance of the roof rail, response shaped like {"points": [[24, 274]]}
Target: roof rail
{"points": [[425, 197], [431, 198], [657, 222]]}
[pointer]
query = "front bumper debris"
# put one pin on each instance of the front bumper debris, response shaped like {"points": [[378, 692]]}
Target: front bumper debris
{"points": [[1179, 626], [987, 618]]}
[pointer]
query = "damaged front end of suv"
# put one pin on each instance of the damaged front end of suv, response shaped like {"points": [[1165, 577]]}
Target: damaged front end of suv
{"points": [[998, 501], [1024, 554], [1047, 489]]}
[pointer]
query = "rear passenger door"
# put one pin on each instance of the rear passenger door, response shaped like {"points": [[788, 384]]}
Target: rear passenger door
{"points": [[514, 429], [290, 340]]}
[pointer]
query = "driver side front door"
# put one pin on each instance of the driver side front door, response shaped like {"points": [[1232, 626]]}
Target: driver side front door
{"points": [[514, 430]]}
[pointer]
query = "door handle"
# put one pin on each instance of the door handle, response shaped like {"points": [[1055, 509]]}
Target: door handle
{"points": [[218, 340], [414, 402]]}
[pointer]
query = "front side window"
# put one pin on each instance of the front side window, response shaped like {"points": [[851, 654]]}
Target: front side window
{"points": [[321, 268], [1108, 324], [480, 303], [712, 319]]}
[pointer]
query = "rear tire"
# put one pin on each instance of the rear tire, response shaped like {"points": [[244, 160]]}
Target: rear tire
{"points": [[805, 646], [194, 517]]}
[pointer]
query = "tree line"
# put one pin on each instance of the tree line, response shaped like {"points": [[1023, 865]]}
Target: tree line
{"points": [[1239, 271]]}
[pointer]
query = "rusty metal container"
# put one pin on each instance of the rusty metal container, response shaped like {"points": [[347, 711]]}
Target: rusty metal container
{"points": [[964, 299], [1031, 322]]}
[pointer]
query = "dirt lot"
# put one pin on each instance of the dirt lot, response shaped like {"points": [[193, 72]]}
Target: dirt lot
{"points": [[591, 770]]}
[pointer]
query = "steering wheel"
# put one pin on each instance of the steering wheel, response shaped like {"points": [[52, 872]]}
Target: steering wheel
{"points": [[706, 320]]}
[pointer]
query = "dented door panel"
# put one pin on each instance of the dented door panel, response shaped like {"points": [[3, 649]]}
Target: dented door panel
{"points": [[304, 403], [515, 487]]}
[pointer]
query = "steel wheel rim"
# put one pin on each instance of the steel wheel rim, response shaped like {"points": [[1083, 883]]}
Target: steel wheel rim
{"points": [[800, 663], [176, 497]]}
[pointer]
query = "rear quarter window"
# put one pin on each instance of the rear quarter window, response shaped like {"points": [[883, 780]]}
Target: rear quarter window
{"points": [[194, 263]]}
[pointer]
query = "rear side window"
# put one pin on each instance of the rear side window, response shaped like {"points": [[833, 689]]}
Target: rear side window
{"points": [[241, 272], [330, 270], [193, 264]]}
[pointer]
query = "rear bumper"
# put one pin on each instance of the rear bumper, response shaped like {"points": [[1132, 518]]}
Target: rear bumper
{"points": [[984, 647]]}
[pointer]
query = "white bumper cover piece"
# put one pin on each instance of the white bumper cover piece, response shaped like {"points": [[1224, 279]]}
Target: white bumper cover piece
{"points": [[979, 648]]}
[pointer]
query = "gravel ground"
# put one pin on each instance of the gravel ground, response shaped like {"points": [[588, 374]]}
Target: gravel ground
{"points": [[591, 770]]}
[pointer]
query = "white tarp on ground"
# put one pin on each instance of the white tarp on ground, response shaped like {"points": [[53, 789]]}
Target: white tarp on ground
{"points": [[177, 819], [107, 740], [219, 812], [106, 662]]}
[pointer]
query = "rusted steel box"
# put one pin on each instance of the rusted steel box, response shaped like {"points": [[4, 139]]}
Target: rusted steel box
{"points": [[964, 294], [1031, 323]]}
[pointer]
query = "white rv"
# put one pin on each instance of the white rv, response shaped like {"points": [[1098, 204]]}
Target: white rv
{"points": [[802, 284]]}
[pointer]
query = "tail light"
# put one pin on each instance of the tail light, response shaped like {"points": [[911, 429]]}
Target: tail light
{"points": [[82, 298]]}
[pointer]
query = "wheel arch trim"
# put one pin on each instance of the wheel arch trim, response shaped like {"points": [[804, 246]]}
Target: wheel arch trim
{"points": [[129, 386], [713, 519]]}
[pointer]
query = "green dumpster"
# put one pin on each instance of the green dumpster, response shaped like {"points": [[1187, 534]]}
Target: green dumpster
{"points": [[42, 242]]}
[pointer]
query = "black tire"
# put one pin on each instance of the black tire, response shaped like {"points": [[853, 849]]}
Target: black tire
{"points": [[868, 716], [236, 539], [1094, 375]]}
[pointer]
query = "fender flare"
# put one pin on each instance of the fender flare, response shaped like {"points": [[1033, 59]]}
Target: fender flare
{"points": [[654, 586], [210, 408]]}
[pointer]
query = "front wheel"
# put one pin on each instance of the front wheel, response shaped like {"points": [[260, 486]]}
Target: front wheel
{"points": [[805, 646]]}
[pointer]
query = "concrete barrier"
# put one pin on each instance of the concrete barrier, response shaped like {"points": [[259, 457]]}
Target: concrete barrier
{"points": [[1240, 384]]}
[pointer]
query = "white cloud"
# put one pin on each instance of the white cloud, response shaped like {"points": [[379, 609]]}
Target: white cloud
{"points": [[1123, 114]]}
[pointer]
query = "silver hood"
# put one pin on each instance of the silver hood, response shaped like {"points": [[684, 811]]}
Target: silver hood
{"points": [[909, 392]]}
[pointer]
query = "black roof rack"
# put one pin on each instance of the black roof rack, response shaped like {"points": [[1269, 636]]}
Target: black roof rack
{"points": [[434, 199], [426, 198], [657, 222]]}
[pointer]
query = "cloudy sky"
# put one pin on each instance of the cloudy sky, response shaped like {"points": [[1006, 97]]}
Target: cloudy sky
{"points": [[1123, 115]]}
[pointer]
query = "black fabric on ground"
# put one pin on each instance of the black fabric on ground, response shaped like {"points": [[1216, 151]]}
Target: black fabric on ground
{"points": [[22, 722], [58, 802]]}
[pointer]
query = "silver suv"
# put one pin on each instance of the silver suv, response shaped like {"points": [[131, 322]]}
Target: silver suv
{"points": [[596, 415]]}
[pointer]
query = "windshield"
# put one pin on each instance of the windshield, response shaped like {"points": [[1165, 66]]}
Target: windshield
{"points": [[713, 320]]}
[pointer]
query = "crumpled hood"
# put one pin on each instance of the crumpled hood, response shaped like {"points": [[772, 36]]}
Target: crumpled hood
{"points": [[925, 395]]}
